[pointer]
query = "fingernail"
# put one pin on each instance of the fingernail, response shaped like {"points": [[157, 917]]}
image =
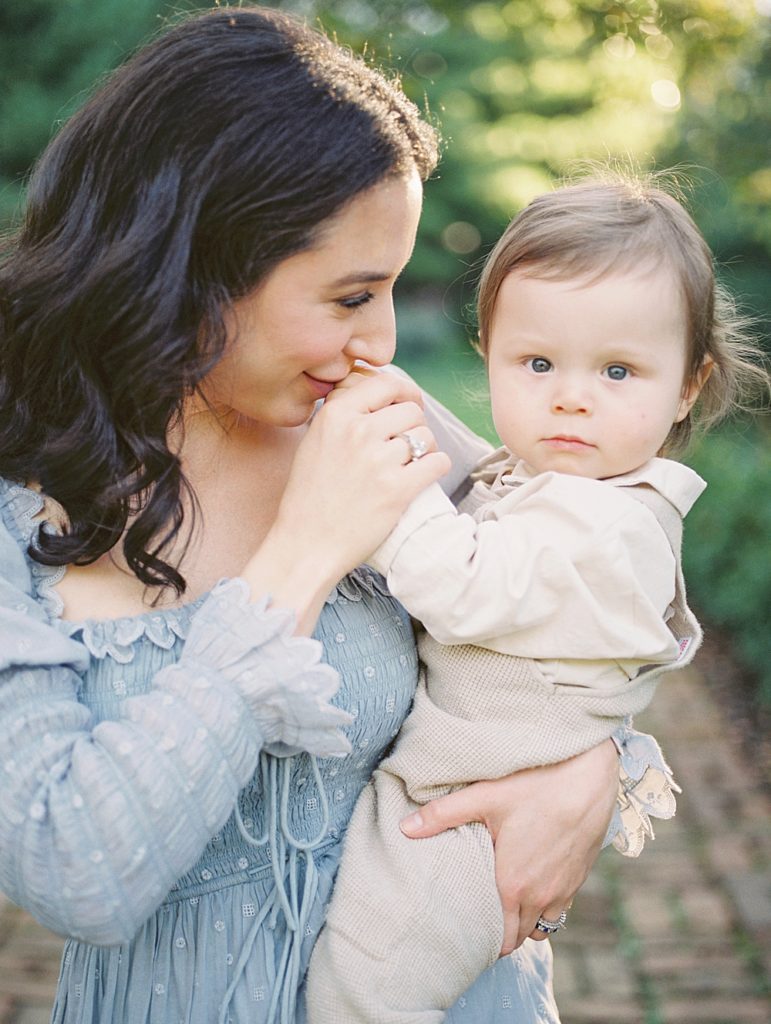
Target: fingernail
{"points": [[413, 823]]}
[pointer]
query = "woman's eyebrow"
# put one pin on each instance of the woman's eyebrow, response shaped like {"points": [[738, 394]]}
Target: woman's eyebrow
{"points": [[361, 277]]}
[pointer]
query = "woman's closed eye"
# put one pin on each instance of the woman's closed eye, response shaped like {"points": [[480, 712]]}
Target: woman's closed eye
{"points": [[355, 301]]}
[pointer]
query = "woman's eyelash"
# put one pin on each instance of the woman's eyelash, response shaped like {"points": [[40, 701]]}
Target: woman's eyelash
{"points": [[355, 300]]}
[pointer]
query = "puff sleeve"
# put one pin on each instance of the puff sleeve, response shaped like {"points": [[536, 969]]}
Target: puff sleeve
{"points": [[97, 820]]}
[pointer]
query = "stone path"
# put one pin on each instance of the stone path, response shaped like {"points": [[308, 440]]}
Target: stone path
{"points": [[680, 936]]}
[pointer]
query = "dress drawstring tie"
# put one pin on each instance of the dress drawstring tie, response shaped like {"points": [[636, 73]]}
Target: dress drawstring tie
{"points": [[287, 854]]}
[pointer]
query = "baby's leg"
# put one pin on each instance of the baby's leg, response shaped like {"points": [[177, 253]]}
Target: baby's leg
{"points": [[412, 922]]}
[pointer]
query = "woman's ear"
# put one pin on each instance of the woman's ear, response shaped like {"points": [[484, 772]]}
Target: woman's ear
{"points": [[693, 387]]}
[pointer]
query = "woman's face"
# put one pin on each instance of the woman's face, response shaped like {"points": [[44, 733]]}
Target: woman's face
{"points": [[301, 330]]}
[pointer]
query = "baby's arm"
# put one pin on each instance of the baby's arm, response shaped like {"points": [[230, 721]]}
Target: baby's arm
{"points": [[561, 567]]}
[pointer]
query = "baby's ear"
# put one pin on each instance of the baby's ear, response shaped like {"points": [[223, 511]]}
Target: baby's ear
{"points": [[693, 387]]}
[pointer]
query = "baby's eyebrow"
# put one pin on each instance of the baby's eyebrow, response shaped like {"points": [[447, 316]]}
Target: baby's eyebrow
{"points": [[624, 352]]}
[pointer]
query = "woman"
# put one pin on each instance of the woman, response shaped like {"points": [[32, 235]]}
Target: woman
{"points": [[210, 245]]}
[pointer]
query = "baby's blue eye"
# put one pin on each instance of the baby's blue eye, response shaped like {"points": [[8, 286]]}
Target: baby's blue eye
{"points": [[617, 372], [539, 365]]}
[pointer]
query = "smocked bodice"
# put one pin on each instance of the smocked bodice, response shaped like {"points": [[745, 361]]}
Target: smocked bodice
{"points": [[367, 638], [258, 889]]}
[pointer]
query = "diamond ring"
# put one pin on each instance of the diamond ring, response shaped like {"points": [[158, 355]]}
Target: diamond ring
{"points": [[550, 927], [417, 447]]}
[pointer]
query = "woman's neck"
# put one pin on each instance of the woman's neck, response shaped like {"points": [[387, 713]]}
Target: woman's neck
{"points": [[237, 474]]}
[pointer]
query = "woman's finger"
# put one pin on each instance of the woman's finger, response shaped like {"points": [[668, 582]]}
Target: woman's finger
{"points": [[395, 419], [549, 922], [511, 931], [445, 812], [356, 377], [541, 859], [414, 444]]}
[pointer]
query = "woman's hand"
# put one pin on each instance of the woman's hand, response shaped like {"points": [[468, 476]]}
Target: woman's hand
{"points": [[352, 475], [351, 479], [547, 825]]}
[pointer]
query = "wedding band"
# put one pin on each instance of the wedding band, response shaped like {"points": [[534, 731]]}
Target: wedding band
{"points": [[417, 447], [550, 927]]}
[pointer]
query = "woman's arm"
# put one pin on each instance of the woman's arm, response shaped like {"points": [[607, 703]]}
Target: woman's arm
{"points": [[98, 820], [349, 484]]}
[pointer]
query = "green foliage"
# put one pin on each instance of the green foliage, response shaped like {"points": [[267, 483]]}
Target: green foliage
{"points": [[521, 90], [524, 91], [52, 53], [725, 555], [456, 377], [724, 134]]}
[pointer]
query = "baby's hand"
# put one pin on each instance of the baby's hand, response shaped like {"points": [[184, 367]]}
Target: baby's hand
{"points": [[357, 376]]}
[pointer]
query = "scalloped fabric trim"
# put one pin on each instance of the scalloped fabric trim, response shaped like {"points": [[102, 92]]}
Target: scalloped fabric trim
{"points": [[116, 638]]}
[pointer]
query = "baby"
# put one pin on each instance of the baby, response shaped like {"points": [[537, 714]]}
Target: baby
{"points": [[550, 611]]}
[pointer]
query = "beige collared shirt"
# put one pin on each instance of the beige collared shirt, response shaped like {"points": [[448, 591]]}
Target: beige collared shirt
{"points": [[575, 573]]}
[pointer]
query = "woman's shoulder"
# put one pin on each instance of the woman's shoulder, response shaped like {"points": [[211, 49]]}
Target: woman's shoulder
{"points": [[22, 509], [19, 507]]}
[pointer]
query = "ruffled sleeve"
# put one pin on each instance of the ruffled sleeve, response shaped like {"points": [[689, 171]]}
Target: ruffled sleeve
{"points": [[646, 790], [98, 820], [287, 688]]}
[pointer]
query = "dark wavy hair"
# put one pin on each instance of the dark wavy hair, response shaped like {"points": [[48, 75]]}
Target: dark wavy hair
{"points": [[214, 153]]}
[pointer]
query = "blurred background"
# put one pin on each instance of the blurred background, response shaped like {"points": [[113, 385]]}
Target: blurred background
{"points": [[523, 91]]}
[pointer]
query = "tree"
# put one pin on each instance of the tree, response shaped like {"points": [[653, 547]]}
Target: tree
{"points": [[522, 89], [52, 52]]}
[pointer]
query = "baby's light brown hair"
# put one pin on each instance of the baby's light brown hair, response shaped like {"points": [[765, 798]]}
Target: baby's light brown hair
{"points": [[616, 224]]}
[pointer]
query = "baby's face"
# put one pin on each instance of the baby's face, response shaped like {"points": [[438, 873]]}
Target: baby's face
{"points": [[588, 378]]}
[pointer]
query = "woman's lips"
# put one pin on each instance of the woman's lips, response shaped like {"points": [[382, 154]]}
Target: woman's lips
{"points": [[321, 388]]}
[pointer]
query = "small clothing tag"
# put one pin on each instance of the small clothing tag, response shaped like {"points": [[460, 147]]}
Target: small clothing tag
{"points": [[684, 645]]}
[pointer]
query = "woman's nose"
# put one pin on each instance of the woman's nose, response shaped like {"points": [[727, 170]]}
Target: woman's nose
{"points": [[375, 339]]}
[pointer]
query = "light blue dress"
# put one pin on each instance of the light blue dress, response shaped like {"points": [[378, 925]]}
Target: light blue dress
{"points": [[121, 758]]}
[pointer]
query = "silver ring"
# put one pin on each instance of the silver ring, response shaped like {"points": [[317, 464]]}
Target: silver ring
{"points": [[550, 927], [417, 447]]}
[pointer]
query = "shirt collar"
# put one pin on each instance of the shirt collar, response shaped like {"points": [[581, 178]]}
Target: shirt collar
{"points": [[679, 484]]}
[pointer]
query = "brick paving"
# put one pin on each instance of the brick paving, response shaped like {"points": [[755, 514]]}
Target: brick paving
{"points": [[680, 936]]}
